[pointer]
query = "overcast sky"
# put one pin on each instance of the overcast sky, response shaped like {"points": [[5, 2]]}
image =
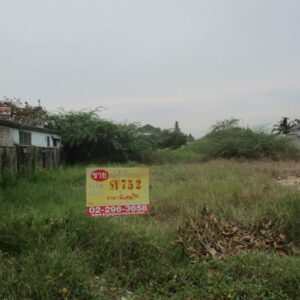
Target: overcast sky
{"points": [[155, 61]]}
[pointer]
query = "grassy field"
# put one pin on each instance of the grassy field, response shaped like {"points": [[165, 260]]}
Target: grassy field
{"points": [[49, 249]]}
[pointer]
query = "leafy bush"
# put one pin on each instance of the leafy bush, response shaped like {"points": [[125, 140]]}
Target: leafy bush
{"points": [[229, 140], [7, 178], [86, 137], [239, 142], [168, 139]]}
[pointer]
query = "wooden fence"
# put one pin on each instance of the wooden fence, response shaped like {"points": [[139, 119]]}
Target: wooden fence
{"points": [[16, 157]]}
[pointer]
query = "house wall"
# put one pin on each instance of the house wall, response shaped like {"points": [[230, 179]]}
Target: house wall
{"points": [[295, 138], [6, 137], [38, 139], [17, 158], [297, 133]]}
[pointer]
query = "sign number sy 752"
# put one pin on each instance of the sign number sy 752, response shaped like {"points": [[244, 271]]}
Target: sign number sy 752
{"points": [[117, 191]]}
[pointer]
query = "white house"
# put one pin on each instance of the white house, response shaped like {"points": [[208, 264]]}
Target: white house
{"points": [[295, 130], [294, 134], [13, 133]]}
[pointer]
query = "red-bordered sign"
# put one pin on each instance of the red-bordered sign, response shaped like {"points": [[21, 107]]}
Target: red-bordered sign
{"points": [[117, 191]]}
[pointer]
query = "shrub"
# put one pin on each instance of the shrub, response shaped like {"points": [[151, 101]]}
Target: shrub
{"points": [[238, 142], [86, 137], [7, 178], [168, 139]]}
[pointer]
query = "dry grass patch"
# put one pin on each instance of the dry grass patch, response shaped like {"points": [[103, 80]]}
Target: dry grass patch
{"points": [[209, 236], [237, 191]]}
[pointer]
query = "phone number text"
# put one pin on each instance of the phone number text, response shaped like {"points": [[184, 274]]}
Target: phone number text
{"points": [[117, 210]]}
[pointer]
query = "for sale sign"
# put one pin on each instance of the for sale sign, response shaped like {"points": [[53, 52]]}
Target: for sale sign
{"points": [[117, 191]]}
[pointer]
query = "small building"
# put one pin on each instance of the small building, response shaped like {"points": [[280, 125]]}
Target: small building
{"points": [[148, 129], [295, 130], [13, 133], [294, 134]]}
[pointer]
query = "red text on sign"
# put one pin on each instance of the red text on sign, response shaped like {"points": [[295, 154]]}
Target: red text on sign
{"points": [[99, 175], [117, 210]]}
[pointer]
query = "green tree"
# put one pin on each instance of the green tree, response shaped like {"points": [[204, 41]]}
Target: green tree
{"points": [[190, 138], [283, 126], [87, 137], [225, 124], [169, 138], [176, 128]]}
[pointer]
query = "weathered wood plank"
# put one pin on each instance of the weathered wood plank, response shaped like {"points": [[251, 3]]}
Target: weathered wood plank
{"points": [[16, 157]]}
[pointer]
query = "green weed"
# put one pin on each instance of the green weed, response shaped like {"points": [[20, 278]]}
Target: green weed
{"points": [[49, 249]]}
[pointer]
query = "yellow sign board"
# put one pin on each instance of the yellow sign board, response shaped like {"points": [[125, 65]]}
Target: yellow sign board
{"points": [[117, 191]]}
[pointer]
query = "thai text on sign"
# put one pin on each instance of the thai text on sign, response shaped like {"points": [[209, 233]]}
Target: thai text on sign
{"points": [[117, 191]]}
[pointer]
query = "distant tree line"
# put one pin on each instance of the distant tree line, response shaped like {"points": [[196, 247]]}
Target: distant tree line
{"points": [[88, 137], [228, 139]]}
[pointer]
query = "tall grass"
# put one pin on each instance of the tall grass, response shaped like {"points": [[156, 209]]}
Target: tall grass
{"points": [[184, 154], [49, 249]]}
